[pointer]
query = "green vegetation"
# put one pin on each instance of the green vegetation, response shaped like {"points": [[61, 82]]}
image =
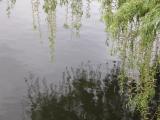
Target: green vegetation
{"points": [[135, 26], [85, 94], [73, 10]]}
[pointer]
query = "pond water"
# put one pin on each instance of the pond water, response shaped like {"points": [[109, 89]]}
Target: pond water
{"points": [[37, 37]]}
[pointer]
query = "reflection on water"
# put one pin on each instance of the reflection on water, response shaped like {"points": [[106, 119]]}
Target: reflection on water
{"points": [[86, 93], [50, 9], [35, 15], [61, 20], [10, 5], [76, 13], [75, 10], [88, 8]]}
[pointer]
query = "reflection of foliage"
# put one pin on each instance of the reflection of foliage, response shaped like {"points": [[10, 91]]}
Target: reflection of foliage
{"points": [[50, 5], [35, 13], [135, 25], [10, 5], [66, 16], [76, 15], [83, 95], [77, 12], [88, 8], [76, 7], [50, 9], [74, 10]]}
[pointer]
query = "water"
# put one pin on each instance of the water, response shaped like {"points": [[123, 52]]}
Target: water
{"points": [[33, 41]]}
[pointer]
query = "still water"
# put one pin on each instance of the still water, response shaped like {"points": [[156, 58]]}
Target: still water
{"points": [[37, 37]]}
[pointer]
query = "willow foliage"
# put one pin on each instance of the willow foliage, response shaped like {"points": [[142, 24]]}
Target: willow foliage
{"points": [[135, 24]]}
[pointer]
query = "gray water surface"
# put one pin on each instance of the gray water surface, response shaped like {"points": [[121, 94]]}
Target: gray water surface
{"points": [[32, 41]]}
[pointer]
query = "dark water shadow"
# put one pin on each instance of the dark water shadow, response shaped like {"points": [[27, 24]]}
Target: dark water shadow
{"points": [[85, 93]]}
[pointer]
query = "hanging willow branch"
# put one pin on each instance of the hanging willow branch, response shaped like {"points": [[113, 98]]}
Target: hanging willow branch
{"points": [[135, 25]]}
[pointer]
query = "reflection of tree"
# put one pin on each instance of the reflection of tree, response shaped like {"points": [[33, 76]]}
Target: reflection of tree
{"points": [[66, 24], [73, 17], [77, 12], [76, 8], [35, 15], [83, 95], [50, 9], [10, 5], [88, 8]]}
